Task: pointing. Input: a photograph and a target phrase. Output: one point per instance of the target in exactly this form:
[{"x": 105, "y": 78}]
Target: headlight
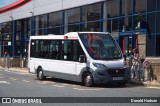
[{"x": 98, "y": 65}]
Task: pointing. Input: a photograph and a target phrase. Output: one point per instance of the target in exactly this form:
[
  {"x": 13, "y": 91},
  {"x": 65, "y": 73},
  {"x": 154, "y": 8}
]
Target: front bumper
[{"x": 111, "y": 75}]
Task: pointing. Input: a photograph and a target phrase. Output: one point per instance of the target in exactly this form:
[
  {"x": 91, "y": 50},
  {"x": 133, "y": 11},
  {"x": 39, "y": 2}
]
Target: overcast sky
[{"x": 6, "y": 2}]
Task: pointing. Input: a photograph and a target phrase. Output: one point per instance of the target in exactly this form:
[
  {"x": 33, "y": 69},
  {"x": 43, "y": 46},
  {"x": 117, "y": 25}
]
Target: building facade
[{"x": 134, "y": 23}]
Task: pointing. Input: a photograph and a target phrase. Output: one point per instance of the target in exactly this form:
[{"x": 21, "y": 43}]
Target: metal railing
[
  {"x": 9, "y": 62},
  {"x": 136, "y": 68},
  {"x": 142, "y": 70}
]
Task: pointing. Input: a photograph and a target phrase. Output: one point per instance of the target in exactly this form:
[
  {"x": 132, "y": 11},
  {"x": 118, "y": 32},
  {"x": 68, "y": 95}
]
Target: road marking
[
  {"x": 58, "y": 86},
  {"x": 88, "y": 89},
  {"x": 23, "y": 73},
  {"x": 13, "y": 71},
  {"x": 4, "y": 82},
  {"x": 45, "y": 82},
  {"x": 52, "y": 82},
  {"x": 13, "y": 79},
  {"x": 75, "y": 85},
  {"x": 26, "y": 81},
  {"x": 2, "y": 77},
  {"x": 65, "y": 84},
  {"x": 154, "y": 87},
  {"x": 7, "y": 70}
]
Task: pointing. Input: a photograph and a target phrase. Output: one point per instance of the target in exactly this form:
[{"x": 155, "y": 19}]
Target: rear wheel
[
  {"x": 40, "y": 74},
  {"x": 88, "y": 80}
]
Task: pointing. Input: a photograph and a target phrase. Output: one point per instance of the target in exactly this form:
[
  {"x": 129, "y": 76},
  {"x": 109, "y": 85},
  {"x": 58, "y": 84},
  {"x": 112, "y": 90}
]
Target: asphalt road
[{"x": 17, "y": 84}]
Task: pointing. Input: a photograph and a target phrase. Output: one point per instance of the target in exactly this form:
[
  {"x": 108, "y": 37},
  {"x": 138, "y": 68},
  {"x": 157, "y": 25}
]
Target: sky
[{"x": 6, "y": 2}]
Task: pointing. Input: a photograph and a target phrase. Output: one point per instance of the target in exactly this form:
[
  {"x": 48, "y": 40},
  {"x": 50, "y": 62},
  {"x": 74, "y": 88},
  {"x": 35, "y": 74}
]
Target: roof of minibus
[{"x": 72, "y": 35}]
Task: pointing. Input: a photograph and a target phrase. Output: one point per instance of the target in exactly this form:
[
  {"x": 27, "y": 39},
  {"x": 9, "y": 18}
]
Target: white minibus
[{"x": 87, "y": 57}]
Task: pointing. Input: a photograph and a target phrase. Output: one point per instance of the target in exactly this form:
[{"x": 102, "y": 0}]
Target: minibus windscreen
[{"x": 100, "y": 46}]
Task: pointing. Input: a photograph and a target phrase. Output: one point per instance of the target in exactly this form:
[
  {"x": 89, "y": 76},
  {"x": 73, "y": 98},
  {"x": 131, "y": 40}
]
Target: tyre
[
  {"x": 88, "y": 80},
  {"x": 40, "y": 74}
]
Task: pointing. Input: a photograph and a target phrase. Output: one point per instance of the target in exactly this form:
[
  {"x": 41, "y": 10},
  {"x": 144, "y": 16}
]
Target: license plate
[{"x": 117, "y": 78}]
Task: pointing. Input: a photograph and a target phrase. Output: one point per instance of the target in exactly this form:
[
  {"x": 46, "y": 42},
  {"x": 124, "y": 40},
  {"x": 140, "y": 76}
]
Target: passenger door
[
  {"x": 78, "y": 52},
  {"x": 67, "y": 56},
  {"x": 32, "y": 54}
]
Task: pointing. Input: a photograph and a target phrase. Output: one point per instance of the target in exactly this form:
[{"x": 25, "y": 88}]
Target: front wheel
[
  {"x": 40, "y": 74},
  {"x": 88, "y": 80}
]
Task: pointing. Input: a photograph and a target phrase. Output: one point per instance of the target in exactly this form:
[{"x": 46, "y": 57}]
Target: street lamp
[{"x": 32, "y": 13}]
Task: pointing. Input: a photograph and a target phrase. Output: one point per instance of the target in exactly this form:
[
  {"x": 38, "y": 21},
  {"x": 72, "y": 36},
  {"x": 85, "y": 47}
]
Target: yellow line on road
[
  {"x": 13, "y": 79},
  {"x": 58, "y": 86}
]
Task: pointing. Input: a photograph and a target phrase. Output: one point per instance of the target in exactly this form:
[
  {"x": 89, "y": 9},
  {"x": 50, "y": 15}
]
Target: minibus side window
[{"x": 72, "y": 50}]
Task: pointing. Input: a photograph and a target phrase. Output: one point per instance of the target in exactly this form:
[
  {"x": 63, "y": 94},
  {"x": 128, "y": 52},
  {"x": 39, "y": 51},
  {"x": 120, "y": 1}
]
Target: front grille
[{"x": 116, "y": 72}]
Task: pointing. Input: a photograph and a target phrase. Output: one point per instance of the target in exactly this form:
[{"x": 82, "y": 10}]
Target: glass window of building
[
  {"x": 158, "y": 4},
  {"x": 73, "y": 15},
  {"x": 127, "y": 6},
  {"x": 150, "y": 46},
  {"x": 18, "y": 25},
  {"x": 1, "y": 27},
  {"x": 151, "y": 5},
  {"x": 55, "y": 31},
  {"x": 158, "y": 21},
  {"x": 157, "y": 45},
  {"x": 18, "y": 49},
  {"x": 7, "y": 27},
  {"x": 55, "y": 19},
  {"x": 140, "y": 6},
  {"x": 41, "y": 21},
  {"x": 6, "y": 37},
  {"x": 73, "y": 28},
  {"x": 112, "y": 26},
  {"x": 125, "y": 22},
  {"x": 42, "y": 31},
  {"x": 18, "y": 30},
  {"x": 109, "y": 26},
  {"x": 27, "y": 28},
  {"x": 91, "y": 13},
  {"x": 112, "y": 8},
  {"x": 151, "y": 23},
  {"x": 137, "y": 19},
  {"x": 1, "y": 31}
]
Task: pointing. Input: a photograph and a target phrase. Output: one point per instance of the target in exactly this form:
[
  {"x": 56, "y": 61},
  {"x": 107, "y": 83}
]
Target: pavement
[{"x": 153, "y": 83}]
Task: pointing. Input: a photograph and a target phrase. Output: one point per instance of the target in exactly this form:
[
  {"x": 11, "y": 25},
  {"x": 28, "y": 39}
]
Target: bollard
[
  {"x": 5, "y": 61},
  {"x": 139, "y": 68},
  {"x": 22, "y": 63},
  {"x": 130, "y": 64},
  {"x": 8, "y": 62},
  {"x": 20, "y": 60},
  {"x": 146, "y": 67}
]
